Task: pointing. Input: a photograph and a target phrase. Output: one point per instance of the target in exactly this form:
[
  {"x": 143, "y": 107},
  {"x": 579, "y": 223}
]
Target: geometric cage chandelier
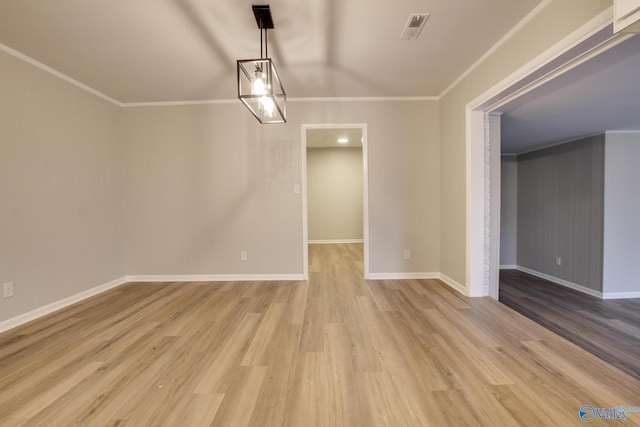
[{"x": 259, "y": 86}]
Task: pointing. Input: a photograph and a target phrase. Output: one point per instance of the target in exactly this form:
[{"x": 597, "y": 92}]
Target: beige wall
[
  {"x": 203, "y": 184},
  {"x": 60, "y": 189},
  {"x": 207, "y": 181},
  {"x": 334, "y": 194},
  {"x": 552, "y": 24}
]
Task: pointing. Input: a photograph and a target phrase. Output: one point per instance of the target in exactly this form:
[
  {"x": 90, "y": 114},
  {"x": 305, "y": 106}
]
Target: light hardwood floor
[{"x": 334, "y": 351}]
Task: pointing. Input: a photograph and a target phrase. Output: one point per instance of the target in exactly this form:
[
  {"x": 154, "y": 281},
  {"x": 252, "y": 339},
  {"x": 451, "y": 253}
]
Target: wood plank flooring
[
  {"x": 334, "y": 351},
  {"x": 609, "y": 329}
]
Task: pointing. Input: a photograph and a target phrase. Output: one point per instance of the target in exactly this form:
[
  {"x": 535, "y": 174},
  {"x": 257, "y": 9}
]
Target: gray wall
[
  {"x": 509, "y": 211},
  {"x": 560, "y": 211},
  {"x": 334, "y": 194},
  {"x": 622, "y": 213}
]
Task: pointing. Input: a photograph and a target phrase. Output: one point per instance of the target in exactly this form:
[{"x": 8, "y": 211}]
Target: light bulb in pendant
[
  {"x": 267, "y": 105},
  {"x": 258, "y": 83}
]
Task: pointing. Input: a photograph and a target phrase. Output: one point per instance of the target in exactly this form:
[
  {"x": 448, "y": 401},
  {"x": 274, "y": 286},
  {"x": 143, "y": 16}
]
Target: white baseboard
[
  {"x": 508, "y": 267},
  {"x": 55, "y": 306},
  {"x": 330, "y": 242},
  {"x": 453, "y": 284},
  {"x": 621, "y": 295},
  {"x": 401, "y": 276},
  {"x": 561, "y": 282},
  {"x": 216, "y": 278},
  {"x": 437, "y": 276},
  {"x": 434, "y": 276}
]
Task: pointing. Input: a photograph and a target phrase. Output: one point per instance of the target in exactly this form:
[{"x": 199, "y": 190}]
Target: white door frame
[
  {"x": 586, "y": 42},
  {"x": 493, "y": 200},
  {"x": 365, "y": 191}
]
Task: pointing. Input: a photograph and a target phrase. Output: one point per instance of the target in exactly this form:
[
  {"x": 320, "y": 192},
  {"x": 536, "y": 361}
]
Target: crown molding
[
  {"x": 513, "y": 31},
  {"x": 365, "y": 99},
  {"x": 46, "y": 68},
  {"x": 74, "y": 82},
  {"x": 179, "y": 103}
]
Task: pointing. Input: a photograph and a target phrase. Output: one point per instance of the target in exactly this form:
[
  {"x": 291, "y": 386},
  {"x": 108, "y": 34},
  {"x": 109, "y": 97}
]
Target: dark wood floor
[{"x": 608, "y": 329}]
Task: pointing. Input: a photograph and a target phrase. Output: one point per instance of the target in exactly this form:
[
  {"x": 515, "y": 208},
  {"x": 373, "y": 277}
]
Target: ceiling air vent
[{"x": 414, "y": 26}]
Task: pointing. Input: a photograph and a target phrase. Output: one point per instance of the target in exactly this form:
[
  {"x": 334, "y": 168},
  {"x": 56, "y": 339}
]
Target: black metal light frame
[{"x": 274, "y": 94}]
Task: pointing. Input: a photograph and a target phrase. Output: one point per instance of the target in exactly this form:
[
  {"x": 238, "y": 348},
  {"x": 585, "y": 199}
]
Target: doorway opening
[
  {"x": 335, "y": 190},
  {"x": 483, "y": 145}
]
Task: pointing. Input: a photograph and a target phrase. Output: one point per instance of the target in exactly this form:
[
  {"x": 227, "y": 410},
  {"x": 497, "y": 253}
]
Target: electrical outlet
[
  {"x": 7, "y": 290},
  {"x": 407, "y": 254},
  {"x": 243, "y": 255},
  {"x": 558, "y": 261}
]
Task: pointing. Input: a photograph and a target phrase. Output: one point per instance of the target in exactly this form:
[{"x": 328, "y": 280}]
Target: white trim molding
[
  {"x": 58, "y": 305},
  {"x": 402, "y": 276},
  {"x": 366, "y": 99},
  {"x": 621, "y": 295},
  {"x": 214, "y": 278},
  {"x": 561, "y": 282},
  {"x": 338, "y": 241},
  {"x": 551, "y": 63},
  {"x": 476, "y": 191},
  {"x": 62, "y": 76},
  {"x": 621, "y": 131},
  {"x": 179, "y": 103},
  {"x": 512, "y": 32},
  {"x": 453, "y": 284},
  {"x": 292, "y": 100},
  {"x": 420, "y": 276},
  {"x": 74, "y": 82}
]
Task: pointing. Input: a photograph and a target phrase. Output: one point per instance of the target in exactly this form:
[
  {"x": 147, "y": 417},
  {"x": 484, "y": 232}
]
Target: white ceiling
[
  {"x": 599, "y": 95},
  {"x": 185, "y": 50}
]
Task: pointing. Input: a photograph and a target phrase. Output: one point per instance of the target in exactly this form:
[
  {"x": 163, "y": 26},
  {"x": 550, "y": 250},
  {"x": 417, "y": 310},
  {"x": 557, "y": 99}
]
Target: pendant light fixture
[{"x": 259, "y": 86}]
